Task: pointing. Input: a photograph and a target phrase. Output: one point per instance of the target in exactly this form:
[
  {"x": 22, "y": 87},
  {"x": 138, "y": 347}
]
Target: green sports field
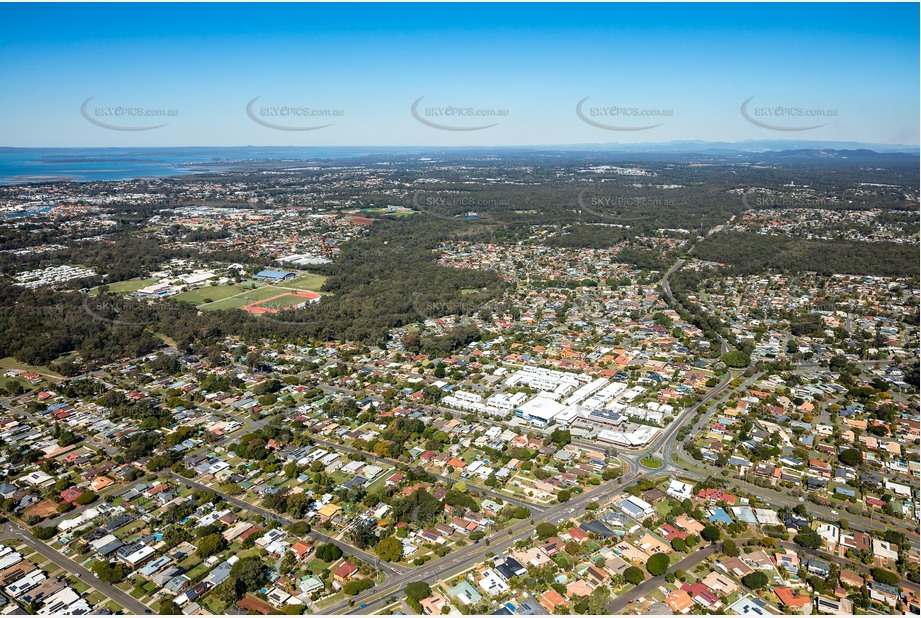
[
  {"x": 214, "y": 292},
  {"x": 244, "y": 298},
  {"x": 307, "y": 281},
  {"x": 131, "y": 285}
]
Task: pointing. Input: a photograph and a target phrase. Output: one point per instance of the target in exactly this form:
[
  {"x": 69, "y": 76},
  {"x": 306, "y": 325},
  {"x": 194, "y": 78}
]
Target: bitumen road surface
[
  {"x": 132, "y": 605},
  {"x": 650, "y": 585},
  {"x": 464, "y": 558},
  {"x": 243, "y": 504}
]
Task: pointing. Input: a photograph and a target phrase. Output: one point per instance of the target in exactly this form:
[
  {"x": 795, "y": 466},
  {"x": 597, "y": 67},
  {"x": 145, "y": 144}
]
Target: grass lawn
[
  {"x": 190, "y": 562},
  {"x": 11, "y": 363},
  {"x": 201, "y": 569},
  {"x": 246, "y": 553},
  {"x": 316, "y": 565},
  {"x": 214, "y": 604},
  {"x": 379, "y": 483},
  {"x": 307, "y": 281},
  {"x": 662, "y": 508},
  {"x": 284, "y": 302},
  {"x": 244, "y": 298},
  {"x": 95, "y": 598},
  {"x": 130, "y": 285},
  {"x": 214, "y": 292},
  {"x": 115, "y": 607},
  {"x": 657, "y": 595},
  {"x": 330, "y": 600},
  {"x": 651, "y": 462},
  {"x": 78, "y": 584},
  {"x": 132, "y": 528}
]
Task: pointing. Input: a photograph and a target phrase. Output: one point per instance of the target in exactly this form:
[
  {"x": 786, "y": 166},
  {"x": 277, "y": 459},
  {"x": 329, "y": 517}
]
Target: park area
[
  {"x": 270, "y": 298},
  {"x": 282, "y": 301}
]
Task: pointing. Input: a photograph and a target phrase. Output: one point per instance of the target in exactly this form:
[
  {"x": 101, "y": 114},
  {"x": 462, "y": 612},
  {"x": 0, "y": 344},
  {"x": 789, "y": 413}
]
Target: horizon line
[{"x": 470, "y": 147}]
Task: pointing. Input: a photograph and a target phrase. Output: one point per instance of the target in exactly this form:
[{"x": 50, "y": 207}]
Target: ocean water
[{"x": 29, "y": 165}]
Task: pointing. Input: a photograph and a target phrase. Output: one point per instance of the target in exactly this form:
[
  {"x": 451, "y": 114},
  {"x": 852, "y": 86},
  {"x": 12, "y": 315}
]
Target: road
[
  {"x": 466, "y": 557},
  {"x": 108, "y": 449},
  {"x": 616, "y": 606},
  {"x": 243, "y": 504},
  {"x": 116, "y": 491},
  {"x": 667, "y": 291},
  {"x": 13, "y": 531},
  {"x": 844, "y": 562},
  {"x": 394, "y": 463},
  {"x": 673, "y": 451}
]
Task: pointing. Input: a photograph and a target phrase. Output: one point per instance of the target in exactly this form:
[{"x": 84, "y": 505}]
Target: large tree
[
  {"x": 657, "y": 564},
  {"x": 389, "y": 549}
]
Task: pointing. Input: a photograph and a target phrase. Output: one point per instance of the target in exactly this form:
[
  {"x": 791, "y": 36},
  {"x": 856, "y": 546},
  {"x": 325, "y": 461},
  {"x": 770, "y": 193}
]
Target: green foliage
[
  {"x": 168, "y": 608},
  {"x": 328, "y": 552},
  {"x": 389, "y": 549},
  {"x": 809, "y": 539},
  {"x": 109, "y": 572},
  {"x": 634, "y": 575},
  {"x": 210, "y": 545},
  {"x": 419, "y": 507},
  {"x": 711, "y": 534},
  {"x": 750, "y": 253},
  {"x": 299, "y": 528},
  {"x": 250, "y": 572},
  {"x": 418, "y": 590},
  {"x": 357, "y": 586},
  {"x": 44, "y": 533},
  {"x": 736, "y": 359},
  {"x": 756, "y": 580},
  {"x": 561, "y": 437},
  {"x": 545, "y": 530},
  {"x": 885, "y": 577},
  {"x": 850, "y": 457},
  {"x": 657, "y": 564}
]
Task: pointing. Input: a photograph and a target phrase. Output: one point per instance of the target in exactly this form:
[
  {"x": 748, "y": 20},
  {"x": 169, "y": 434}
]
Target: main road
[
  {"x": 268, "y": 514},
  {"x": 11, "y": 530},
  {"x": 463, "y": 559},
  {"x": 394, "y": 463},
  {"x": 672, "y": 453},
  {"x": 466, "y": 557},
  {"x": 617, "y": 605}
]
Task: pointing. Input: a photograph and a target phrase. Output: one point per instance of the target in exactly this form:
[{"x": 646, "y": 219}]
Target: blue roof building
[{"x": 275, "y": 275}]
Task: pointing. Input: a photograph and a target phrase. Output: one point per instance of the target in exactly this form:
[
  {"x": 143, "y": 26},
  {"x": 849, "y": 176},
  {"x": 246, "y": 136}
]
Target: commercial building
[{"x": 274, "y": 276}]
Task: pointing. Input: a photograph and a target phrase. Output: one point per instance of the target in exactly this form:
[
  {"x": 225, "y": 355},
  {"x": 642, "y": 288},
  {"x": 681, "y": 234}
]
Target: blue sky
[{"x": 690, "y": 67}]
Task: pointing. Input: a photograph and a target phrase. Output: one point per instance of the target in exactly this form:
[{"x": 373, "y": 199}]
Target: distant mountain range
[
  {"x": 775, "y": 145},
  {"x": 684, "y": 147},
  {"x": 26, "y": 165}
]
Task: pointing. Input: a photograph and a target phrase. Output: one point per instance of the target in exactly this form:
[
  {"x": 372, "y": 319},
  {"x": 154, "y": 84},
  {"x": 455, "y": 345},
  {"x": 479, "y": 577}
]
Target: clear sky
[{"x": 690, "y": 66}]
